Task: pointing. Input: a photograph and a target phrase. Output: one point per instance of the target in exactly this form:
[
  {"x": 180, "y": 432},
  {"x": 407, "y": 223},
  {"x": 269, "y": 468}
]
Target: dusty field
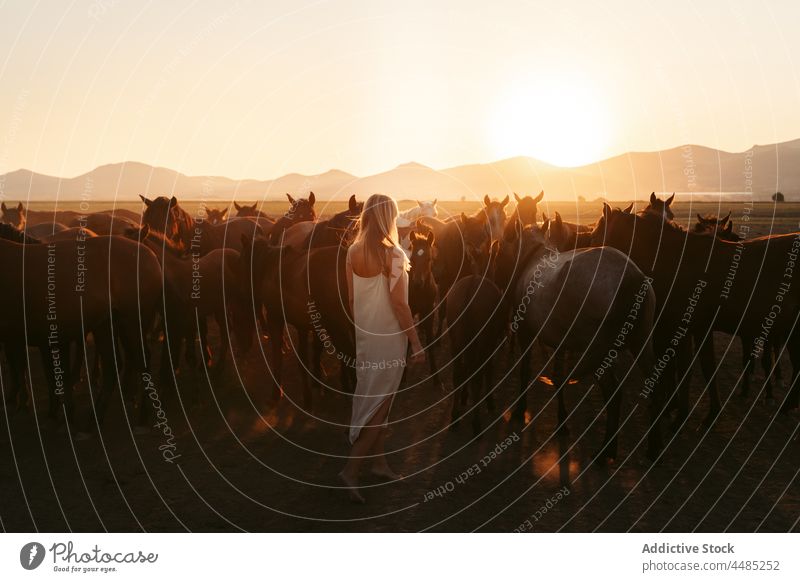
[{"x": 248, "y": 464}]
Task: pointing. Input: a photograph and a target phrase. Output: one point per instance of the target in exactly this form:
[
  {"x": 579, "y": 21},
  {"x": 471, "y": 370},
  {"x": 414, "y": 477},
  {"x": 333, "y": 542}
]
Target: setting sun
[{"x": 561, "y": 121}]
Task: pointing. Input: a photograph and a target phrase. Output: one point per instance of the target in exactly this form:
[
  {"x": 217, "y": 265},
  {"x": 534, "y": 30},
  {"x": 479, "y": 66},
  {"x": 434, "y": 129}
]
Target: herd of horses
[{"x": 634, "y": 282}]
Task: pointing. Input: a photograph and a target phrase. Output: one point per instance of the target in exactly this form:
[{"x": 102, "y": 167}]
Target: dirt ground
[{"x": 245, "y": 463}]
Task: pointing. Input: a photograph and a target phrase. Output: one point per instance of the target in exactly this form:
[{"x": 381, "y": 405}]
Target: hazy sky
[{"x": 262, "y": 88}]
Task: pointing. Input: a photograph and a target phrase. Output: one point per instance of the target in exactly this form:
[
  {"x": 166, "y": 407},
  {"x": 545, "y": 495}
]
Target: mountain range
[{"x": 762, "y": 170}]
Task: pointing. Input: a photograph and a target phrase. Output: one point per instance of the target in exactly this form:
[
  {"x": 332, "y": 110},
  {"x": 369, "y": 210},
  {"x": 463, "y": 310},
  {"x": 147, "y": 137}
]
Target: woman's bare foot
[
  {"x": 385, "y": 471},
  {"x": 352, "y": 488}
]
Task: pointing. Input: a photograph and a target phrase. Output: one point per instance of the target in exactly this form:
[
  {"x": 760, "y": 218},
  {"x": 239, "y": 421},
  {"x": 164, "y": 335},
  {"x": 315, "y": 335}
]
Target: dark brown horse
[
  {"x": 476, "y": 325},
  {"x": 165, "y": 215},
  {"x": 20, "y": 217},
  {"x": 566, "y": 236},
  {"x": 308, "y": 290},
  {"x": 770, "y": 353},
  {"x": 337, "y": 230},
  {"x": 72, "y": 288},
  {"x": 743, "y": 287},
  {"x": 525, "y": 212},
  {"x": 197, "y": 287},
  {"x": 422, "y": 292},
  {"x": 104, "y": 223},
  {"x": 301, "y": 210},
  {"x": 249, "y": 211},
  {"x": 215, "y": 215},
  {"x": 660, "y": 208}
]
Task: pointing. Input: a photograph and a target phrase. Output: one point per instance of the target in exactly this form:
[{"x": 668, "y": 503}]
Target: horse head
[
  {"x": 495, "y": 215},
  {"x": 214, "y": 215},
  {"x": 527, "y": 207},
  {"x": 658, "y": 207},
  {"x": 14, "y": 216}
]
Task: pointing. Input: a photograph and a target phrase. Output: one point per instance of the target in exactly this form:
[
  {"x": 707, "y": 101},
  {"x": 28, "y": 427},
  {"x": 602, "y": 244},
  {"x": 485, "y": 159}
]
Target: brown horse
[
  {"x": 449, "y": 263},
  {"x": 250, "y": 211},
  {"x": 476, "y": 326},
  {"x": 69, "y": 289},
  {"x": 566, "y": 236},
  {"x": 660, "y": 208},
  {"x": 165, "y": 215},
  {"x": 743, "y": 287},
  {"x": 215, "y": 215},
  {"x": 301, "y": 210},
  {"x": 104, "y": 223},
  {"x": 525, "y": 212},
  {"x": 337, "y": 230},
  {"x": 308, "y": 290},
  {"x": 20, "y": 217},
  {"x": 197, "y": 287},
  {"x": 45, "y": 229},
  {"x": 771, "y": 353},
  {"x": 422, "y": 292},
  {"x": 72, "y": 233}
]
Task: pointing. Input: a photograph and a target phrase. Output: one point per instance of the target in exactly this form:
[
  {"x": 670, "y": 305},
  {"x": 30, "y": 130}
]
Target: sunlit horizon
[{"x": 256, "y": 91}]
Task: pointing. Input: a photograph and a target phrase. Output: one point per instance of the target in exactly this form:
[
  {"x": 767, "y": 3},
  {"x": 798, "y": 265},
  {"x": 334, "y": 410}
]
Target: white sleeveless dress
[{"x": 381, "y": 344}]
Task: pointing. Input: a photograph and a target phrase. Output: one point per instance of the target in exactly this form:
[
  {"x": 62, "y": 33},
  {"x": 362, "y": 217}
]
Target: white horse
[
  {"x": 593, "y": 303},
  {"x": 407, "y": 218}
]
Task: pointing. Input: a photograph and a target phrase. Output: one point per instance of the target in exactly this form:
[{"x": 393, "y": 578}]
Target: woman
[{"x": 377, "y": 282}]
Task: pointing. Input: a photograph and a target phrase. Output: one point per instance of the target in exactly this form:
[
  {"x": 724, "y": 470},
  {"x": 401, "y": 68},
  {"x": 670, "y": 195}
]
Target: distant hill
[{"x": 691, "y": 168}]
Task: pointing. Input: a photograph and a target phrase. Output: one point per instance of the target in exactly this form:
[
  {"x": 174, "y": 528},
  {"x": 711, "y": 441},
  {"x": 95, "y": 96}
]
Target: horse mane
[
  {"x": 11, "y": 233},
  {"x": 176, "y": 248}
]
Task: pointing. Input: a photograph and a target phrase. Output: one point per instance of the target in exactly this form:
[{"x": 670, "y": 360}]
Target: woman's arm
[
  {"x": 349, "y": 275},
  {"x": 398, "y": 292}
]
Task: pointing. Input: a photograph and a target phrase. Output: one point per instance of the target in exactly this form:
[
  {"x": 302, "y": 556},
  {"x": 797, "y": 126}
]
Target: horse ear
[
  {"x": 726, "y": 219},
  {"x": 291, "y": 200},
  {"x": 145, "y": 200},
  {"x": 236, "y": 206},
  {"x": 628, "y": 208},
  {"x": 223, "y": 213},
  {"x": 559, "y": 221},
  {"x": 606, "y": 210},
  {"x": 431, "y": 237},
  {"x": 312, "y": 199},
  {"x": 670, "y": 199},
  {"x": 539, "y": 197},
  {"x": 463, "y": 218},
  {"x": 700, "y": 219},
  {"x": 544, "y": 217},
  {"x": 494, "y": 249},
  {"x": 3, "y": 207},
  {"x": 435, "y": 200},
  {"x": 504, "y": 202},
  {"x": 517, "y": 198},
  {"x": 729, "y": 227},
  {"x": 653, "y": 198},
  {"x": 173, "y": 202},
  {"x": 418, "y": 203},
  {"x": 352, "y": 205},
  {"x": 486, "y": 200}
]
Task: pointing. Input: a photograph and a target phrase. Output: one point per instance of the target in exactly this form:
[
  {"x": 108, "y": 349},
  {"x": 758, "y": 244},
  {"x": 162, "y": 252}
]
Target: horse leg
[
  {"x": 225, "y": 347},
  {"x": 561, "y": 380},
  {"x": 747, "y": 365},
  {"x": 276, "y": 349},
  {"x": 791, "y": 400},
  {"x": 431, "y": 349},
  {"x": 612, "y": 396},
  {"x": 458, "y": 380},
  {"x": 708, "y": 363},
  {"x": 521, "y": 407},
  {"x": 478, "y": 388},
  {"x": 302, "y": 340},
  {"x": 683, "y": 372},
  {"x": 773, "y": 375},
  {"x": 15, "y": 356},
  {"x": 201, "y": 332}
]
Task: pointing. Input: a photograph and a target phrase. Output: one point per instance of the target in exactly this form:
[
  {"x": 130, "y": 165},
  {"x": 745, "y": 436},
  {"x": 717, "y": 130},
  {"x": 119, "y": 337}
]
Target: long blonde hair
[{"x": 377, "y": 227}]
